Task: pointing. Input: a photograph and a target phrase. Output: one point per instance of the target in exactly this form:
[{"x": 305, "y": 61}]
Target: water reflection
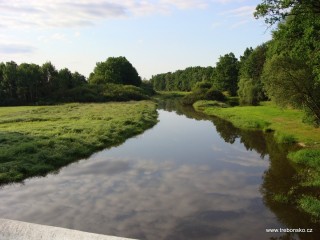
[{"x": 180, "y": 180}]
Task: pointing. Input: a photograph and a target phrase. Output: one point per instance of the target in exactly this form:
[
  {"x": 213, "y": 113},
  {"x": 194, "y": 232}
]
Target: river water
[{"x": 189, "y": 177}]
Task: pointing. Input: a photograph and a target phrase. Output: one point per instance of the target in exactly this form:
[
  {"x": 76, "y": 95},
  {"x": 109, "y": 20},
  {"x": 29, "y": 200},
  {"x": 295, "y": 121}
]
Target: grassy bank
[
  {"x": 288, "y": 128},
  {"x": 37, "y": 140},
  {"x": 287, "y": 123}
]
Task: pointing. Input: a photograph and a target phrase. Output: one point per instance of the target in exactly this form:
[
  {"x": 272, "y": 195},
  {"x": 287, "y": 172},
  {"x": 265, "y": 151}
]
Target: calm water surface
[{"x": 186, "y": 178}]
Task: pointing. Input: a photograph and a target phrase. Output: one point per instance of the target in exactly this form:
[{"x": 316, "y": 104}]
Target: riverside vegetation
[{"x": 35, "y": 140}]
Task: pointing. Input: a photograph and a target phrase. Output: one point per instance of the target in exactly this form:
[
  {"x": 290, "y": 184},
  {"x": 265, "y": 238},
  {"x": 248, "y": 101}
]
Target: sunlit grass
[
  {"x": 36, "y": 140},
  {"x": 287, "y": 123}
]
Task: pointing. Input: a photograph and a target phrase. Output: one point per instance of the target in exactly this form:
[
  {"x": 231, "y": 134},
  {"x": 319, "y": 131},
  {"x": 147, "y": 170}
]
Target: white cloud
[{"x": 67, "y": 13}]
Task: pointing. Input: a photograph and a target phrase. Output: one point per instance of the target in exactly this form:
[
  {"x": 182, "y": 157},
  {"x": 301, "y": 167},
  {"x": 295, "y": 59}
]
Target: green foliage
[
  {"x": 285, "y": 138},
  {"x": 30, "y": 83},
  {"x": 225, "y": 77},
  {"x": 310, "y": 205},
  {"x": 181, "y": 80},
  {"x": 291, "y": 73},
  {"x": 27, "y": 84},
  {"x": 203, "y": 91},
  {"x": 102, "y": 93},
  {"x": 37, "y": 140},
  {"x": 277, "y": 10},
  {"x": 307, "y": 157},
  {"x": 117, "y": 70},
  {"x": 202, "y": 104},
  {"x": 250, "y": 86},
  {"x": 280, "y": 197}
]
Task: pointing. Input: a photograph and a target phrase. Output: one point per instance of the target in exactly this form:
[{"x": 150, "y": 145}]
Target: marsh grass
[
  {"x": 37, "y": 140},
  {"x": 310, "y": 205}
]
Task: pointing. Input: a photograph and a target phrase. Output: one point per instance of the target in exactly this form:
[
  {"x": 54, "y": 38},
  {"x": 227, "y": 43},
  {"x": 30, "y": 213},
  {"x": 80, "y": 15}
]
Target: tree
[
  {"x": 78, "y": 79},
  {"x": 10, "y": 73},
  {"x": 250, "y": 86},
  {"x": 290, "y": 81},
  {"x": 226, "y": 74},
  {"x": 292, "y": 70},
  {"x": 115, "y": 70},
  {"x": 277, "y": 10},
  {"x": 49, "y": 78},
  {"x": 28, "y": 82}
]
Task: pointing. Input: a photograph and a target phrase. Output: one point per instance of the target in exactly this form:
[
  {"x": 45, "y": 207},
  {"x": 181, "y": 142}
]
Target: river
[{"x": 189, "y": 177}]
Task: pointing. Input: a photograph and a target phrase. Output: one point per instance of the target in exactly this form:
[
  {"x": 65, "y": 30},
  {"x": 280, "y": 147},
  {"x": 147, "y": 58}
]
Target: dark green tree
[
  {"x": 250, "y": 86},
  {"x": 292, "y": 70},
  {"x": 28, "y": 82},
  {"x": 10, "y": 74},
  {"x": 49, "y": 78},
  {"x": 116, "y": 70},
  {"x": 225, "y": 77}
]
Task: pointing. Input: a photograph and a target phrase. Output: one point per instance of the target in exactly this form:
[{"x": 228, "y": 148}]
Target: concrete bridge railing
[{"x": 16, "y": 230}]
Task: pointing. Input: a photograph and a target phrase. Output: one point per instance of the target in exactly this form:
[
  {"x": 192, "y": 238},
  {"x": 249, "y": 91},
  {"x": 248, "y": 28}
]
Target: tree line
[
  {"x": 285, "y": 69},
  {"x": 114, "y": 79}
]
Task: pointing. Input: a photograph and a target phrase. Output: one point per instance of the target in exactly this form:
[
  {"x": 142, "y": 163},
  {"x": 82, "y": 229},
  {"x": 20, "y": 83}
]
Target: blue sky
[{"x": 156, "y": 36}]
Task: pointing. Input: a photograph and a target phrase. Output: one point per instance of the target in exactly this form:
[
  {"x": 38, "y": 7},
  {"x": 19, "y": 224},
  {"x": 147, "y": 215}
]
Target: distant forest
[{"x": 113, "y": 80}]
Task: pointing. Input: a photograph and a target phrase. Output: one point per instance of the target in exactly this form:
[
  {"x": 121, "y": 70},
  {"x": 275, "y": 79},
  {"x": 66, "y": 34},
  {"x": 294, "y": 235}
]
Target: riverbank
[
  {"x": 288, "y": 128},
  {"x": 287, "y": 123},
  {"x": 37, "y": 140}
]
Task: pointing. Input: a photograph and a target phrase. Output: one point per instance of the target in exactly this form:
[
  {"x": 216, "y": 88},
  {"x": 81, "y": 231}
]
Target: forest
[{"x": 30, "y": 84}]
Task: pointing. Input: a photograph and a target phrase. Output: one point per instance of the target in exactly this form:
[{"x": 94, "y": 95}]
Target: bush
[
  {"x": 214, "y": 94},
  {"x": 202, "y": 92}
]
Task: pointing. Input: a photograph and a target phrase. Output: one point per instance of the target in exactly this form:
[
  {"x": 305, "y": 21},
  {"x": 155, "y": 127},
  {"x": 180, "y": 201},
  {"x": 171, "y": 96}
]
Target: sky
[{"x": 156, "y": 36}]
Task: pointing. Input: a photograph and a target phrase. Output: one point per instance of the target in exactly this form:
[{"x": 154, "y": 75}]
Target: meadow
[{"x": 36, "y": 140}]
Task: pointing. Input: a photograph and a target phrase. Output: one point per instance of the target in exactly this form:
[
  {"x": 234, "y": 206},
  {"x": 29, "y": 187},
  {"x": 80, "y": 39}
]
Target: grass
[
  {"x": 287, "y": 123},
  {"x": 307, "y": 157},
  {"x": 37, "y": 140},
  {"x": 310, "y": 205}
]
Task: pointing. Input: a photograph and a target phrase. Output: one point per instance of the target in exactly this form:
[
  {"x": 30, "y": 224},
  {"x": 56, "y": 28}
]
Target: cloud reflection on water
[{"x": 138, "y": 198}]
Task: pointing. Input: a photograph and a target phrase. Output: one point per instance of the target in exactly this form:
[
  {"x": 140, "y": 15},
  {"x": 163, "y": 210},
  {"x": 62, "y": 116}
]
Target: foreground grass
[
  {"x": 288, "y": 128},
  {"x": 37, "y": 140}
]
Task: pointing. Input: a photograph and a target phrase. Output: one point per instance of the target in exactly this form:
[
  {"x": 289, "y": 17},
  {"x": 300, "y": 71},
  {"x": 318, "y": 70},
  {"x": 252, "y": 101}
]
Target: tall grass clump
[
  {"x": 307, "y": 157},
  {"x": 310, "y": 205}
]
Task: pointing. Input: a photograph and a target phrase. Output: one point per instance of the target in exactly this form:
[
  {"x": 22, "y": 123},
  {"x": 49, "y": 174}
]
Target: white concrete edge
[{"x": 17, "y": 230}]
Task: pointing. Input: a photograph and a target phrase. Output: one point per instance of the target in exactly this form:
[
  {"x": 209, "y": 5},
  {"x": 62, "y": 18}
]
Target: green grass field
[{"x": 37, "y": 140}]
